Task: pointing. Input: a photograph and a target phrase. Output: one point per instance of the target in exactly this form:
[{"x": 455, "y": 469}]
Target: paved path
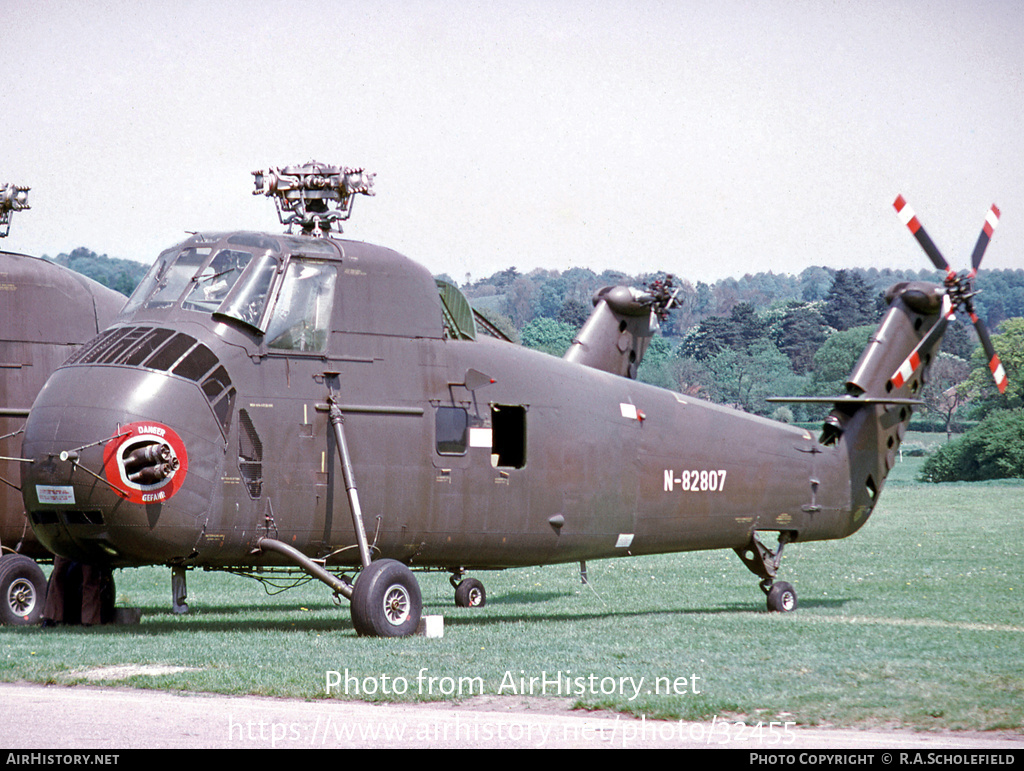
[{"x": 111, "y": 719}]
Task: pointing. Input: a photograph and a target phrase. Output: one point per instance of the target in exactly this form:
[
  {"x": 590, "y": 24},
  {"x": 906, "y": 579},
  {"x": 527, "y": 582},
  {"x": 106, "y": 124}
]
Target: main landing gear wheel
[
  {"x": 470, "y": 593},
  {"x": 22, "y": 590},
  {"x": 386, "y": 600},
  {"x": 781, "y": 597}
]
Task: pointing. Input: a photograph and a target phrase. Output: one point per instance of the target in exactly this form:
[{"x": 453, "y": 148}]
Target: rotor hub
[
  {"x": 315, "y": 196},
  {"x": 959, "y": 293},
  {"x": 12, "y": 198}
]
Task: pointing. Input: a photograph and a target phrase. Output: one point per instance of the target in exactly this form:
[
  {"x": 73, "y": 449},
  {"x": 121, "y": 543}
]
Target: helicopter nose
[{"x": 123, "y": 463}]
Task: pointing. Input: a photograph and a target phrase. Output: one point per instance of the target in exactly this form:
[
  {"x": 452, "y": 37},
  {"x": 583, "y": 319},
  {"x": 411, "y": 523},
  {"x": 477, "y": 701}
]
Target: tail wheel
[
  {"x": 470, "y": 594},
  {"x": 781, "y": 597},
  {"x": 386, "y": 600},
  {"x": 22, "y": 590}
]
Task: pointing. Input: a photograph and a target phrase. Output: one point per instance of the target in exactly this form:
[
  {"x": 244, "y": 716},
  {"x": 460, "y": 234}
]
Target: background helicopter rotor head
[{"x": 12, "y": 198}]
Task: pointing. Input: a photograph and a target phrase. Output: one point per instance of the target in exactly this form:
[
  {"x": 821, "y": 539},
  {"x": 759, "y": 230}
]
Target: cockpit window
[
  {"x": 247, "y": 278},
  {"x": 234, "y": 282},
  {"x": 212, "y": 284},
  {"x": 145, "y": 287},
  {"x": 173, "y": 280},
  {"x": 301, "y": 317},
  {"x": 247, "y": 302}
]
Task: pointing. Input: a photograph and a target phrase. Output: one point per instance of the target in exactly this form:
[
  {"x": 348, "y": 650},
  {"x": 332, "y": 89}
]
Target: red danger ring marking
[{"x": 138, "y": 435}]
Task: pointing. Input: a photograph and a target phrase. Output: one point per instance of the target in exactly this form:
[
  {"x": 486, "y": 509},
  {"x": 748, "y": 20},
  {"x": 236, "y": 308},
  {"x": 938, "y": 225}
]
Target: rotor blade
[
  {"x": 911, "y": 221},
  {"x": 995, "y": 366},
  {"x": 991, "y": 220},
  {"x": 913, "y": 361}
]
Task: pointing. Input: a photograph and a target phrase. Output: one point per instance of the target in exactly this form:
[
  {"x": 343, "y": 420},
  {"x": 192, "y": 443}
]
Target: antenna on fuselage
[
  {"x": 12, "y": 198},
  {"x": 314, "y": 195}
]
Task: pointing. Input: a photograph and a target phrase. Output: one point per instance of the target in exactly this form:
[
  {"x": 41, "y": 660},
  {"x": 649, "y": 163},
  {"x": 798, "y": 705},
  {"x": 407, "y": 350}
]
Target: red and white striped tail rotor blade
[
  {"x": 914, "y": 225},
  {"x": 998, "y": 373},
  {"x": 911, "y": 364},
  {"x": 991, "y": 220},
  {"x": 995, "y": 366}
]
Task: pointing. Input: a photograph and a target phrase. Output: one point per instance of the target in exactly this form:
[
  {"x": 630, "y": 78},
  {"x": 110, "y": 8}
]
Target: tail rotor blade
[
  {"x": 910, "y": 220},
  {"x": 991, "y": 220},
  {"x": 911, "y": 364},
  {"x": 995, "y": 366},
  {"x": 959, "y": 292}
]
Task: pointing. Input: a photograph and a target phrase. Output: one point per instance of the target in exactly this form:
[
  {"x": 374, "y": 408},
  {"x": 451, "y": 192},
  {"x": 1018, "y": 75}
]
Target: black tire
[
  {"x": 22, "y": 590},
  {"x": 470, "y": 594},
  {"x": 386, "y": 600},
  {"x": 781, "y": 598}
]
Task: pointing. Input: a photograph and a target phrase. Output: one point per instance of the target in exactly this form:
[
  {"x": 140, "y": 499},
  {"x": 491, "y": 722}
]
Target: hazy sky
[{"x": 708, "y": 138}]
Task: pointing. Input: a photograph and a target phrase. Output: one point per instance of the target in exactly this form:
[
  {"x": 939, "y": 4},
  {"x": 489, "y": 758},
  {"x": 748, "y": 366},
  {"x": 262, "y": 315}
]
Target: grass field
[{"x": 915, "y": 621}]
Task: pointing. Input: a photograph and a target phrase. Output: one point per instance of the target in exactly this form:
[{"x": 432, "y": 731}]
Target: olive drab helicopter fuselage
[
  {"x": 307, "y": 402},
  {"x": 46, "y": 313}
]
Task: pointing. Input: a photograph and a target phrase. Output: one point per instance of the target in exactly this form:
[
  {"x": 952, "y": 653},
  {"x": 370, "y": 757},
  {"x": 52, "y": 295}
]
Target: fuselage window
[
  {"x": 301, "y": 318},
  {"x": 508, "y": 437},
  {"x": 451, "y": 430}
]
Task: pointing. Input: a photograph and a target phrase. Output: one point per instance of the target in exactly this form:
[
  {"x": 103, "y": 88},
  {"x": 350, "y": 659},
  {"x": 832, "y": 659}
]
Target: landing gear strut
[
  {"x": 764, "y": 563},
  {"x": 179, "y": 590},
  {"x": 385, "y": 600}
]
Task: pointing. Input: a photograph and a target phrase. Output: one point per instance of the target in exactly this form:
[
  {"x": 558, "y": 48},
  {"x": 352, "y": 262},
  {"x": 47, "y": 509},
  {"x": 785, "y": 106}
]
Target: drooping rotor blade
[
  {"x": 991, "y": 220},
  {"x": 913, "y": 361},
  {"x": 910, "y": 220},
  {"x": 995, "y": 366}
]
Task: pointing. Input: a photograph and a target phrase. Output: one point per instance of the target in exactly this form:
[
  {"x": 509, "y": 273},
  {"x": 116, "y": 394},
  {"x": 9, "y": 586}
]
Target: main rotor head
[
  {"x": 663, "y": 292},
  {"x": 12, "y": 198},
  {"x": 314, "y": 195}
]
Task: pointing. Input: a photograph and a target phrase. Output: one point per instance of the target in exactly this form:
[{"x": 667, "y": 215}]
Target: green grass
[{"x": 915, "y": 621}]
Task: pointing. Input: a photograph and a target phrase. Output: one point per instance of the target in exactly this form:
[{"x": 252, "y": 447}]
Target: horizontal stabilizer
[{"x": 845, "y": 399}]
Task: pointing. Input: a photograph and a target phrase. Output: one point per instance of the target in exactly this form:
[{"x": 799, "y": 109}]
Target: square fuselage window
[{"x": 451, "y": 430}]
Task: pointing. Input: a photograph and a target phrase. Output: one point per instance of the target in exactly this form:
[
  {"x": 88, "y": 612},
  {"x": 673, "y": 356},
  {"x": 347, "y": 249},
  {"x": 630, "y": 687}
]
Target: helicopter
[
  {"x": 46, "y": 312},
  {"x": 310, "y": 405}
]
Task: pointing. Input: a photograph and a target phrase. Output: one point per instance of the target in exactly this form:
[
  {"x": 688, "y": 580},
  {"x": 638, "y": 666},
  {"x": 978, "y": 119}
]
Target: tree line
[{"x": 117, "y": 274}]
